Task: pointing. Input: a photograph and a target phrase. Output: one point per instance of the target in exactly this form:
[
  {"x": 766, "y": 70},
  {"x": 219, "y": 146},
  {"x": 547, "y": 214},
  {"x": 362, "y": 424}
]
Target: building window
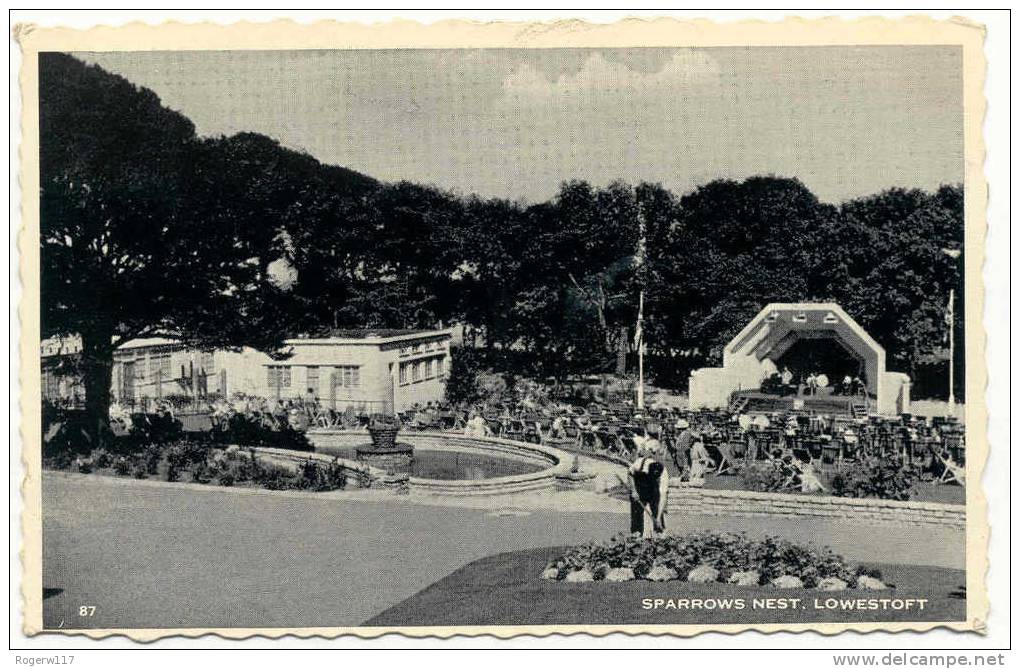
[
  {"x": 441, "y": 366},
  {"x": 159, "y": 366},
  {"x": 403, "y": 373},
  {"x": 430, "y": 369},
  {"x": 347, "y": 376},
  {"x": 278, "y": 376},
  {"x": 312, "y": 380},
  {"x": 51, "y": 386},
  {"x": 416, "y": 372}
]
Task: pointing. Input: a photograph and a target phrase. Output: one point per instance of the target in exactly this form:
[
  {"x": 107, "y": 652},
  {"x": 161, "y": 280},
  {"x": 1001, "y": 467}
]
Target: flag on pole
[
  {"x": 638, "y": 329},
  {"x": 950, "y": 317}
]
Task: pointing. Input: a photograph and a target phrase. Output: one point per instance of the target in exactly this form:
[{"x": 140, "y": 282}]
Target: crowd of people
[{"x": 656, "y": 443}]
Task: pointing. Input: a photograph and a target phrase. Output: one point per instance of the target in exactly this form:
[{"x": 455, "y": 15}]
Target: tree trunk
[{"x": 97, "y": 369}]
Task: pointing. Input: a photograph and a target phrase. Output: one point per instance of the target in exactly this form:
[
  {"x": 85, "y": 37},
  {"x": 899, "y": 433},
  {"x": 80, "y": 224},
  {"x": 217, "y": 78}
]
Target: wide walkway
[{"x": 149, "y": 554}]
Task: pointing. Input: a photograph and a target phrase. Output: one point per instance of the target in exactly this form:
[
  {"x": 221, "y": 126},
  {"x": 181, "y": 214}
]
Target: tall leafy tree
[
  {"x": 735, "y": 247},
  {"x": 893, "y": 273},
  {"x": 136, "y": 237}
]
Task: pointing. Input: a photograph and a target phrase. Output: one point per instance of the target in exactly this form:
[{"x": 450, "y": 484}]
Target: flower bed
[
  {"x": 201, "y": 463},
  {"x": 708, "y": 557}
]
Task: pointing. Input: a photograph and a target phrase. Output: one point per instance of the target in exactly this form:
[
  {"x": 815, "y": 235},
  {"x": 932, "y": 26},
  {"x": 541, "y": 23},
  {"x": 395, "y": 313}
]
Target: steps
[
  {"x": 738, "y": 403},
  {"x": 829, "y": 405}
]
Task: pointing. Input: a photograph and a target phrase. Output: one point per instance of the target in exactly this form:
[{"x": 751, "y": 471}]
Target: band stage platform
[{"x": 755, "y": 401}]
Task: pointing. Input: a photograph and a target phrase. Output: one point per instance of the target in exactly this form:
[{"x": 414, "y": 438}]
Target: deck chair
[
  {"x": 953, "y": 473},
  {"x": 720, "y": 462},
  {"x": 791, "y": 482},
  {"x": 609, "y": 442}
]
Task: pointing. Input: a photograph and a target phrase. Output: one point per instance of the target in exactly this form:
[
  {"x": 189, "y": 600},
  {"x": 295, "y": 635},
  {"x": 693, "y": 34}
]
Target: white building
[{"x": 369, "y": 370}]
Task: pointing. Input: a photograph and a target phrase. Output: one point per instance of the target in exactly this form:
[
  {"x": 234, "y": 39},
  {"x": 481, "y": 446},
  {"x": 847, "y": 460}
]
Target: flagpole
[
  {"x": 639, "y": 334},
  {"x": 951, "y": 323},
  {"x": 952, "y": 356},
  {"x": 641, "y": 352}
]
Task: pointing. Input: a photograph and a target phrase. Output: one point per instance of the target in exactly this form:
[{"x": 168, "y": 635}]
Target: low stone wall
[
  {"x": 352, "y": 467},
  {"x": 692, "y": 500},
  {"x": 556, "y": 462}
]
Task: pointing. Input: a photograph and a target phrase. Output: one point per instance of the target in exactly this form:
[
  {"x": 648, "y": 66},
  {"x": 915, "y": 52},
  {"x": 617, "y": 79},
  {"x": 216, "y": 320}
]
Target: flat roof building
[{"x": 367, "y": 370}]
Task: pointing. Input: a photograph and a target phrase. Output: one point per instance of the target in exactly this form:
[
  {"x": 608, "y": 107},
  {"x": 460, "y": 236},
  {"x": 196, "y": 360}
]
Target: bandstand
[{"x": 757, "y": 352}]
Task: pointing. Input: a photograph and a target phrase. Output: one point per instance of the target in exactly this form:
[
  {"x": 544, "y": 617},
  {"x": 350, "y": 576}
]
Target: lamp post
[{"x": 951, "y": 322}]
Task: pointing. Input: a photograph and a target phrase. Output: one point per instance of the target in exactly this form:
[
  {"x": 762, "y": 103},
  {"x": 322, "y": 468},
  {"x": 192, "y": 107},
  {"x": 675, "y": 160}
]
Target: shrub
[
  {"x": 140, "y": 472},
  {"x": 881, "y": 477},
  {"x": 59, "y": 460},
  {"x": 245, "y": 430},
  {"x": 122, "y": 466},
  {"x": 151, "y": 456},
  {"x": 200, "y": 473},
  {"x": 314, "y": 476},
  {"x": 183, "y": 454},
  {"x": 154, "y": 429},
  {"x": 225, "y": 479},
  {"x": 763, "y": 476},
  {"x": 274, "y": 477},
  {"x": 336, "y": 475},
  {"x": 248, "y": 467},
  {"x": 364, "y": 478},
  {"x": 84, "y": 465},
  {"x": 310, "y": 475},
  {"x": 101, "y": 458},
  {"x": 65, "y": 436}
]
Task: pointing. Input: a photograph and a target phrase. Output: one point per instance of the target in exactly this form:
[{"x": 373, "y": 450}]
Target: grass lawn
[{"x": 505, "y": 589}]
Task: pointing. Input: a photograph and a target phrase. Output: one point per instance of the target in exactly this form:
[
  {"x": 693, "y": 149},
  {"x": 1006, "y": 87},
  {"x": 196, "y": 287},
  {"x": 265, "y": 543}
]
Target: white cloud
[{"x": 600, "y": 78}]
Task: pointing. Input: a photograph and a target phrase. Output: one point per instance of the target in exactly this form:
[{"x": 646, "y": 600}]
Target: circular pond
[
  {"x": 451, "y": 463},
  {"x": 454, "y": 464}
]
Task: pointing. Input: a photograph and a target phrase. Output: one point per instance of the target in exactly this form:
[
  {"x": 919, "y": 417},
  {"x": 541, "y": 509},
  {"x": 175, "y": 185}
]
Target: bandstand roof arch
[{"x": 780, "y": 325}]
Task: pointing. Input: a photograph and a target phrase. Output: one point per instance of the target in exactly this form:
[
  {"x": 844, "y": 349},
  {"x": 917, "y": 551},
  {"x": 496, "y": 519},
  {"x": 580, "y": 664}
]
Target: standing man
[
  {"x": 682, "y": 446},
  {"x": 649, "y": 491}
]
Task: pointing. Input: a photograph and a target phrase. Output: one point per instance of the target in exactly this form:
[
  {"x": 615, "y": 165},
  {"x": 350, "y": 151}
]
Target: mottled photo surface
[{"x": 507, "y": 337}]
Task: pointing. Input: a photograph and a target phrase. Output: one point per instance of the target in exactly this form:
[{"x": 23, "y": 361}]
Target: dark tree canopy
[
  {"x": 231, "y": 241},
  {"x": 146, "y": 230}
]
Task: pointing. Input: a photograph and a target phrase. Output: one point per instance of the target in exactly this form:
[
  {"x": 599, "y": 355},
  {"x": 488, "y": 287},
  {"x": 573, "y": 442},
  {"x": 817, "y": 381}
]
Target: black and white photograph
[{"x": 497, "y": 338}]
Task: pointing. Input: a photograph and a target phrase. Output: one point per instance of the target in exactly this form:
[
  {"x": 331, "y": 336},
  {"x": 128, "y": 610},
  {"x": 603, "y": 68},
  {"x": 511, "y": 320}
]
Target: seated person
[
  {"x": 772, "y": 384},
  {"x": 857, "y": 385},
  {"x": 556, "y": 429},
  {"x": 809, "y": 479},
  {"x": 787, "y": 376},
  {"x": 700, "y": 462}
]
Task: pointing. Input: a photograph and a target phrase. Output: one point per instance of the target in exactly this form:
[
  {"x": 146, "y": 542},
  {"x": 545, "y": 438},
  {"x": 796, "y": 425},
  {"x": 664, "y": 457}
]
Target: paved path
[{"x": 148, "y": 554}]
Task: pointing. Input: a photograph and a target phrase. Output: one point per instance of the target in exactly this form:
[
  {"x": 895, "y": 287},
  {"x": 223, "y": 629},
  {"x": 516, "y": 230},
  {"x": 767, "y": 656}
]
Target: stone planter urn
[
  {"x": 384, "y": 451},
  {"x": 383, "y": 433}
]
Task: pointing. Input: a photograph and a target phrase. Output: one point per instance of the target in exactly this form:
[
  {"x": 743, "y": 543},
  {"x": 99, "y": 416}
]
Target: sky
[{"x": 515, "y": 123}]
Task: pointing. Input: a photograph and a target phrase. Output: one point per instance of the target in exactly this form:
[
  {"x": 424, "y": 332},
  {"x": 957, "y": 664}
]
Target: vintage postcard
[{"x": 503, "y": 328}]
